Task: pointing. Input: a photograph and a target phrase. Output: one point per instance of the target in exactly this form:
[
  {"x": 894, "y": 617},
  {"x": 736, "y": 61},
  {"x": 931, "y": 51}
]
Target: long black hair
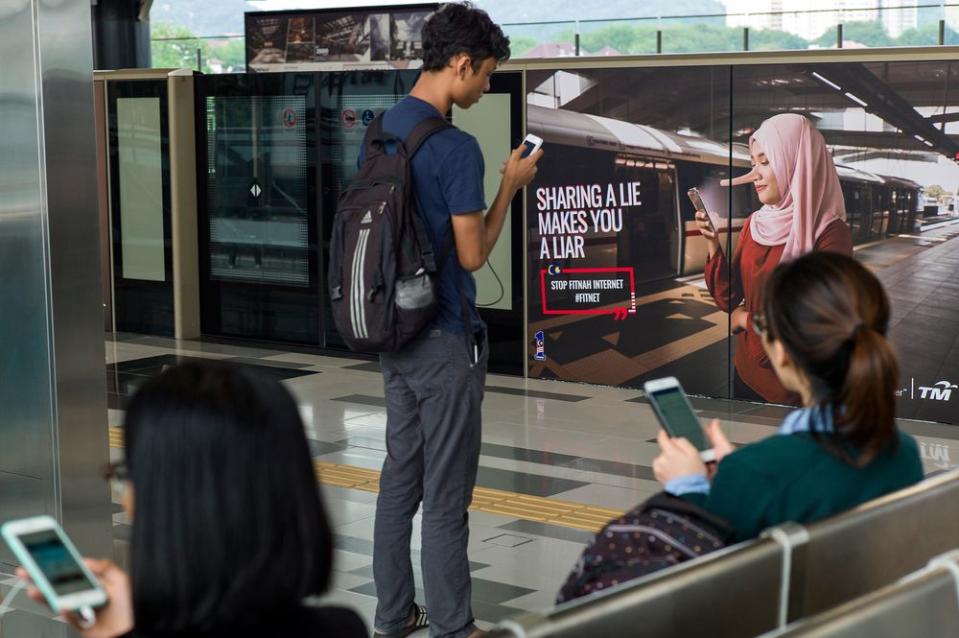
[
  {"x": 228, "y": 526},
  {"x": 831, "y": 315}
]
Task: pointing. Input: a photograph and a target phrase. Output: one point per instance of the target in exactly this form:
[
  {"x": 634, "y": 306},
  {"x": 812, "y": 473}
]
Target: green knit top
[{"x": 793, "y": 477}]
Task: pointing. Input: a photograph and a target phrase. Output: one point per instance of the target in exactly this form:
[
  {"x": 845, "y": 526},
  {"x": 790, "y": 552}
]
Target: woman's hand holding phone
[
  {"x": 677, "y": 457},
  {"x": 113, "y": 619},
  {"x": 708, "y": 232},
  {"x": 680, "y": 458}
]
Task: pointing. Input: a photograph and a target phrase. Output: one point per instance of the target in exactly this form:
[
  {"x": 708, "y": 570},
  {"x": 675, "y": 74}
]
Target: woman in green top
[{"x": 823, "y": 326}]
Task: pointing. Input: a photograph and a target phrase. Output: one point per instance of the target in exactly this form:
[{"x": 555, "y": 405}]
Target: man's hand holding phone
[{"x": 519, "y": 169}]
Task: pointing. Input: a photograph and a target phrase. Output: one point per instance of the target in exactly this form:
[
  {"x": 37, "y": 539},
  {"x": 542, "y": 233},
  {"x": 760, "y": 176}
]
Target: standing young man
[{"x": 434, "y": 386}]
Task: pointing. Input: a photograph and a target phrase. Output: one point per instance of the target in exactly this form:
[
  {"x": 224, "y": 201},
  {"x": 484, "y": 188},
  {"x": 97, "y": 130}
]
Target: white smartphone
[
  {"x": 54, "y": 564},
  {"x": 532, "y": 144},
  {"x": 676, "y": 414},
  {"x": 697, "y": 199}
]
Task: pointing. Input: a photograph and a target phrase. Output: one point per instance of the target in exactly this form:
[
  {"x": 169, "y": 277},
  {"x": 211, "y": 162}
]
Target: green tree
[
  {"x": 926, "y": 35},
  {"x": 521, "y": 44},
  {"x": 684, "y": 37},
  {"x": 625, "y": 38},
  {"x": 869, "y": 33},
  {"x": 231, "y": 54},
  {"x": 173, "y": 46},
  {"x": 691, "y": 38},
  {"x": 936, "y": 191},
  {"x": 773, "y": 40}
]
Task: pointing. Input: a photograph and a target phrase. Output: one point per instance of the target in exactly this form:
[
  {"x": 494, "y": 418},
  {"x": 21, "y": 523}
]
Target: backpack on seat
[
  {"x": 382, "y": 267},
  {"x": 661, "y": 532}
]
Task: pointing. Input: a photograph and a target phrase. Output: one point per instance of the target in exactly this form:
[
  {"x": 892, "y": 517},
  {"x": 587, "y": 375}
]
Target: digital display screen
[
  {"x": 678, "y": 417},
  {"x": 337, "y": 40},
  {"x": 56, "y": 563}
]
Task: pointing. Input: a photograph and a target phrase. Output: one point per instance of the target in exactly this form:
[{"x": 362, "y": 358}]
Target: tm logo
[
  {"x": 941, "y": 391},
  {"x": 937, "y": 453}
]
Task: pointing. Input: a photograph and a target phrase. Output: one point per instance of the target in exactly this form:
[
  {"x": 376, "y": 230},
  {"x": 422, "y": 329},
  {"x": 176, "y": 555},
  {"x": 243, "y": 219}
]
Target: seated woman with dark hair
[
  {"x": 229, "y": 533},
  {"x": 823, "y": 327}
]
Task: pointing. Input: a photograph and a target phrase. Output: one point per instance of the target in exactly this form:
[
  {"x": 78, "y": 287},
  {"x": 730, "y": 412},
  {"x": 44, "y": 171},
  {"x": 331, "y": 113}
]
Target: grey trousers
[{"x": 433, "y": 430}]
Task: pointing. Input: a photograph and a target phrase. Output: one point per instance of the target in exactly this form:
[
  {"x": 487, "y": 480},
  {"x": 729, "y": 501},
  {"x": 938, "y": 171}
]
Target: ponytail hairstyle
[{"x": 831, "y": 315}]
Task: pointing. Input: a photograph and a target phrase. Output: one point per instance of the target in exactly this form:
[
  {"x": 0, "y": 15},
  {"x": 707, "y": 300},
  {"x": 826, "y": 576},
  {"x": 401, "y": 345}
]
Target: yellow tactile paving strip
[{"x": 485, "y": 499}]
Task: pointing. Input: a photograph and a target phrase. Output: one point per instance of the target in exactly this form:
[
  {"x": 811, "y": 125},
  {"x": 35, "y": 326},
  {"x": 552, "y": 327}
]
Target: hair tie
[{"x": 859, "y": 327}]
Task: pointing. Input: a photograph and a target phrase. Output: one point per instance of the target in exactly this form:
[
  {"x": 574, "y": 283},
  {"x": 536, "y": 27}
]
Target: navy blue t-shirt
[{"x": 448, "y": 178}]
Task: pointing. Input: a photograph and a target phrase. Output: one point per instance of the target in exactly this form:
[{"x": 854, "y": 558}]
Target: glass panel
[
  {"x": 139, "y": 143},
  {"x": 175, "y": 47},
  {"x": 700, "y": 34},
  {"x": 485, "y": 121},
  {"x": 257, "y": 189},
  {"x": 951, "y": 16},
  {"x": 259, "y": 262},
  {"x": 774, "y": 31},
  {"x": 542, "y": 40},
  {"x": 618, "y": 37}
]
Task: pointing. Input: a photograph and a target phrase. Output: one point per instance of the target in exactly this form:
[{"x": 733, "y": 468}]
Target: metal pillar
[
  {"x": 121, "y": 30},
  {"x": 52, "y": 381}
]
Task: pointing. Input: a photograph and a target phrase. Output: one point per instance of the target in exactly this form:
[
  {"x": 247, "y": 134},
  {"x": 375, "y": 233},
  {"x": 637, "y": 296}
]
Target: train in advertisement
[{"x": 582, "y": 146}]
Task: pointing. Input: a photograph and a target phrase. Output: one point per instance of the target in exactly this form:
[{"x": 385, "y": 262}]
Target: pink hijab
[{"x": 807, "y": 179}]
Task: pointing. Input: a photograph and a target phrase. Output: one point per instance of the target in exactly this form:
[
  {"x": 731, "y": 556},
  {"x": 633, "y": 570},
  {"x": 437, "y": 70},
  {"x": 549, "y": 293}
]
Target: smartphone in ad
[
  {"x": 54, "y": 564},
  {"x": 676, "y": 414},
  {"x": 532, "y": 144},
  {"x": 697, "y": 199}
]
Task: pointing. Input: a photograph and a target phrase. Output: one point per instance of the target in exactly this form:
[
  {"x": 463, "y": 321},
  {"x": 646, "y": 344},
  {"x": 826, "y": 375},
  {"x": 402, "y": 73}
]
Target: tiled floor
[{"x": 580, "y": 443}]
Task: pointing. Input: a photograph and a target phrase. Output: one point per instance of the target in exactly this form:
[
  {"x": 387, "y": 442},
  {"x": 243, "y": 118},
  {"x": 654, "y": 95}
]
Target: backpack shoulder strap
[
  {"x": 376, "y": 137},
  {"x": 422, "y": 132}
]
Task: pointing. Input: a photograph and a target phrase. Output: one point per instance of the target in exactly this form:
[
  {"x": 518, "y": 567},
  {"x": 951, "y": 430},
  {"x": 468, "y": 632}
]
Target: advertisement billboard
[
  {"x": 373, "y": 38},
  {"x": 621, "y": 285}
]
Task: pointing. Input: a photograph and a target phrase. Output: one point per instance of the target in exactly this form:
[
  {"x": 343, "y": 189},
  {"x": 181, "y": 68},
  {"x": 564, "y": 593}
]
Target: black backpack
[
  {"x": 382, "y": 266},
  {"x": 661, "y": 532}
]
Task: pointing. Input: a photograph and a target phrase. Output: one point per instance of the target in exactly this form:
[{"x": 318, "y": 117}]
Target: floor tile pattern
[{"x": 557, "y": 460}]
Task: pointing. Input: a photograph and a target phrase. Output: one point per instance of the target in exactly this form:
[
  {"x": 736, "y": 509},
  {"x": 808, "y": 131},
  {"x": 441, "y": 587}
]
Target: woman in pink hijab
[{"x": 803, "y": 210}]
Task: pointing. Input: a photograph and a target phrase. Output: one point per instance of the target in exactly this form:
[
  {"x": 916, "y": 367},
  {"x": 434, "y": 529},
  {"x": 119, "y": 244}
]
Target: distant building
[
  {"x": 952, "y": 18},
  {"x": 606, "y": 51},
  {"x": 818, "y": 16},
  {"x": 551, "y": 50}
]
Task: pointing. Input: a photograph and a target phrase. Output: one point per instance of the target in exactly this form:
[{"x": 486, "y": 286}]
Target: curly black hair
[{"x": 461, "y": 28}]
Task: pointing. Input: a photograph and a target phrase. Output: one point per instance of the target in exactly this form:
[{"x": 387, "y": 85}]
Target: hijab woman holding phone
[{"x": 803, "y": 211}]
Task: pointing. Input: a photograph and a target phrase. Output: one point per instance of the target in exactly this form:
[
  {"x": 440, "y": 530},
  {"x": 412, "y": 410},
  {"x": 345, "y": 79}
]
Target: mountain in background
[
  {"x": 224, "y": 17},
  {"x": 202, "y": 17}
]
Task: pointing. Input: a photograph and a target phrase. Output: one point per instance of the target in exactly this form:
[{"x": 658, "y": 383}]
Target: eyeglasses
[
  {"x": 117, "y": 475},
  {"x": 759, "y": 324}
]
